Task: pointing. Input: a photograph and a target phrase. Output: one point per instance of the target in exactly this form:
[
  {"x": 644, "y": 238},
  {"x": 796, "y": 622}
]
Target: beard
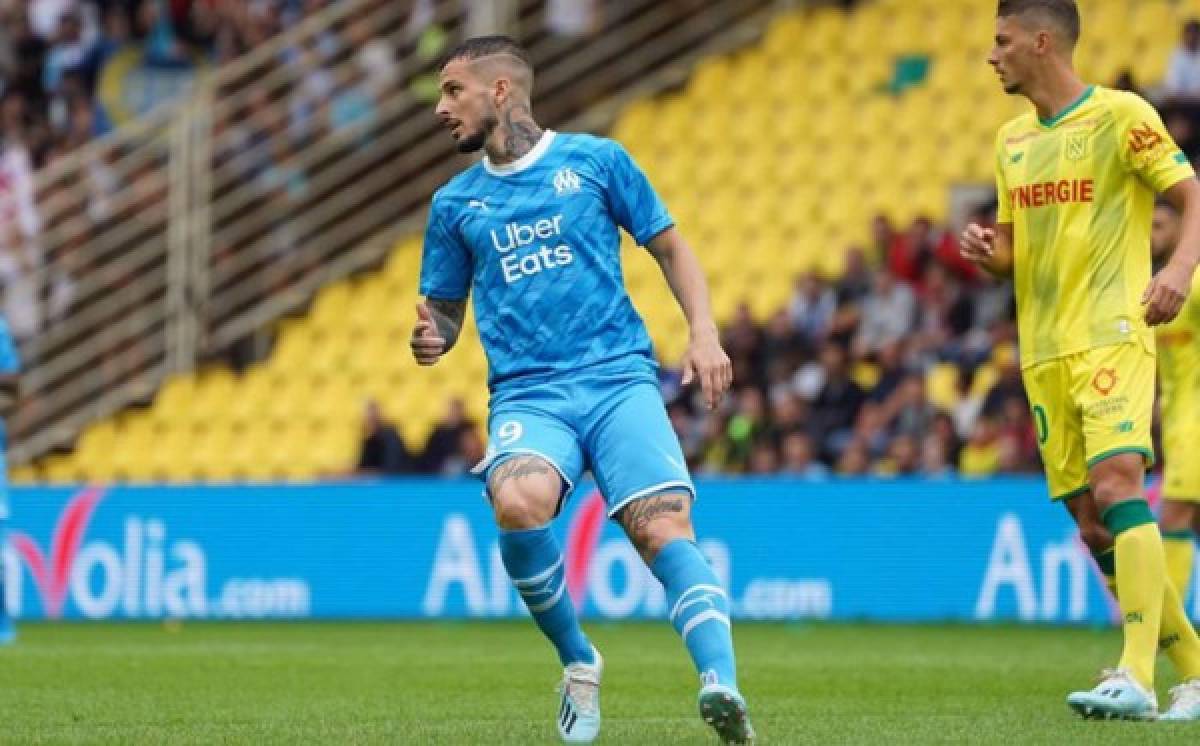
[{"x": 476, "y": 140}]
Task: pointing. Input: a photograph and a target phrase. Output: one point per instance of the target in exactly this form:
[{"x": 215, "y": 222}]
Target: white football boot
[
  {"x": 1118, "y": 696},
  {"x": 579, "y": 710},
  {"x": 1185, "y": 703}
]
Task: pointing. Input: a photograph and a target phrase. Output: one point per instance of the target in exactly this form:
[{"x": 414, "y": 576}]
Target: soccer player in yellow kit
[
  {"x": 1179, "y": 376},
  {"x": 1077, "y": 177}
]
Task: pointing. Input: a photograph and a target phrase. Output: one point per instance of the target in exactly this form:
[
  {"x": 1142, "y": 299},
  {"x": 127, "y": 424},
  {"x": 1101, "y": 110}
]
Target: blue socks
[
  {"x": 699, "y": 610},
  {"x": 535, "y": 564}
]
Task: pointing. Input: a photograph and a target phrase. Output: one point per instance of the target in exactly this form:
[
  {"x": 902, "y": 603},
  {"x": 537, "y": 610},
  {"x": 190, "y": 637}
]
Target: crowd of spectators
[
  {"x": 452, "y": 448},
  {"x": 842, "y": 380}
]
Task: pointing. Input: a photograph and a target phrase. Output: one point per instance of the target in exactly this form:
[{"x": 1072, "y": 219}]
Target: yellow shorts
[
  {"x": 1181, "y": 467},
  {"x": 1090, "y": 406}
]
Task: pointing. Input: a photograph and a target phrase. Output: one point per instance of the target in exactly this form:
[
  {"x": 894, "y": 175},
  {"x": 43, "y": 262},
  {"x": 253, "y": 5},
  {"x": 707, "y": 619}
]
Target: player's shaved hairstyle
[
  {"x": 1062, "y": 15},
  {"x": 503, "y": 50}
]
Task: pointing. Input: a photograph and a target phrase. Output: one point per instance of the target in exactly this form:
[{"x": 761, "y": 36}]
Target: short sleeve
[
  {"x": 445, "y": 261},
  {"x": 1147, "y": 148},
  {"x": 10, "y": 360},
  {"x": 1003, "y": 198},
  {"x": 635, "y": 205}
]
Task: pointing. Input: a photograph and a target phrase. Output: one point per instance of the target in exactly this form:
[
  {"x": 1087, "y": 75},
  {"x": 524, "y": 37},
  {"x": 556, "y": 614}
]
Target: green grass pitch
[{"x": 493, "y": 684}]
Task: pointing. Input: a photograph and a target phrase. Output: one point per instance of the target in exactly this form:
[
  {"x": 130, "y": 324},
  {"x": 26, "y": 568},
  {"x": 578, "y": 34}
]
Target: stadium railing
[{"x": 200, "y": 224}]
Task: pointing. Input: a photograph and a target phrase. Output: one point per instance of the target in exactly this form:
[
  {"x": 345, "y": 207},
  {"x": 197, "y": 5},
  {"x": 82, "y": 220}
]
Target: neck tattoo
[{"x": 521, "y": 133}]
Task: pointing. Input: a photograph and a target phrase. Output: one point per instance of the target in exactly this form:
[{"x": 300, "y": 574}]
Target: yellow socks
[
  {"x": 1141, "y": 584},
  {"x": 1181, "y": 550},
  {"x": 1177, "y": 637}
]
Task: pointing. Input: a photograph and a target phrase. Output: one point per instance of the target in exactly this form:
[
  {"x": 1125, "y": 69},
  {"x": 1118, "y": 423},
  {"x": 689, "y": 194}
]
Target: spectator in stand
[
  {"x": 935, "y": 458},
  {"x": 716, "y": 457},
  {"x": 888, "y": 314},
  {"x": 1182, "y": 83},
  {"x": 29, "y": 49},
  {"x": 689, "y": 430},
  {"x": 1017, "y": 437},
  {"x": 909, "y": 409},
  {"x": 70, "y": 52},
  {"x": 764, "y": 457},
  {"x": 903, "y": 458},
  {"x": 312, "y": 95},
  {"x": 467, "y": 456},
  {"x": 980, "y": 457},
  {"x": 943, "y": 429},
  {"x": 945, "y": 315},
  {"x": 383, "y": 451},
  {"x": 946, "y": 248},
  {"x": 782, "y": 345},
  {"x": 871, "y": 430},
  {"x": 352, "y": 110},
  {"x": 742, "y": 340},
  {"x": 572, "y": 17},
  {"x": 855, "y": 460},
  {"x": 19, "y": 264},
  {"x": 444, "y": 441},
  {"x": 1008, "y": 383},
  {"x": 891, "y": 371},
  {"x": 799, "y": 458},
  {"x": 857, "y": 279},
  {"x": 811, "y": 308},
  {"x": 835, "y": 410},
  {"x": 909, "y": 253},
  {"x": 746, "y": 426},
  {"x": 789, "y": 414},
  {"x": 883, "y": 233},
  {"x": 376, "y": 60}
]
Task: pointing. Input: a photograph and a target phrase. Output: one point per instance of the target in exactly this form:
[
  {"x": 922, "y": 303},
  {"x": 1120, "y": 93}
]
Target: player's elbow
[{"x": 1185, "y": 196}]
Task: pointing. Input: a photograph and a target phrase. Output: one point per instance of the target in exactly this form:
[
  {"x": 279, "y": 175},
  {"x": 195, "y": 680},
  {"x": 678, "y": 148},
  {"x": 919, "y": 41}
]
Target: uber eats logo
[{"x": 542, "y": 237}]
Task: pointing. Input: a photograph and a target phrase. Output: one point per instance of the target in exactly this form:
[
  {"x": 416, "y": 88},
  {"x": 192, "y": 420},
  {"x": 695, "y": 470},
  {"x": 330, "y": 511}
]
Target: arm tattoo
[
  {"x": 448, "y": 317},
  {"x": 639, "y": 513},
  {"x": 521, "y": 131},
  {"x": 517, "y": 468}
]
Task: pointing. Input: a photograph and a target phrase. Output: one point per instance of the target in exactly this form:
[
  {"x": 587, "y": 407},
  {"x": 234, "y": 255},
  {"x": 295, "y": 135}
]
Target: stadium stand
[{"x": 776, "y": 161}]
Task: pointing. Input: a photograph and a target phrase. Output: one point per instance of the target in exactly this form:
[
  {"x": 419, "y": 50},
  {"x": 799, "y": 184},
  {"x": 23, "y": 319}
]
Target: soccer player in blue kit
[{"x": 532, "y": 232}]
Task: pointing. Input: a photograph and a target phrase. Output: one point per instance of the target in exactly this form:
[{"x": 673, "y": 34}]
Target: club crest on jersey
[
  {"x": 1077, "y": 147},
  {"x": 566, "y": 182}
]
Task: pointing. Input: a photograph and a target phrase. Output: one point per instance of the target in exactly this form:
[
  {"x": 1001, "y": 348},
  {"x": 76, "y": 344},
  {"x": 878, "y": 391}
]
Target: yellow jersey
[
  {"x": 1179, "y": 364},
  {"x": 1079, "y": 191}
]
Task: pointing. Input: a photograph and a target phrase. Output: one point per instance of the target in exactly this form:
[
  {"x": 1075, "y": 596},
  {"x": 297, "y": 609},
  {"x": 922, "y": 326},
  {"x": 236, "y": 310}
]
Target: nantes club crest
[{"x": 1077, "y": 146}]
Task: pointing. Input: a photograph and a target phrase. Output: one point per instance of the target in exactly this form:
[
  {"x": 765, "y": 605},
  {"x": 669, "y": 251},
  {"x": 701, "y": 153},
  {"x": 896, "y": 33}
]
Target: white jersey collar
[{"x": 525, "y": 161}]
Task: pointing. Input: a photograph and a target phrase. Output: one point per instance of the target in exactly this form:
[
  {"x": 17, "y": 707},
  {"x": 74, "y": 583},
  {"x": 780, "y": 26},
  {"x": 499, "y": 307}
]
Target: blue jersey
[{"x": 537, "y": 244}]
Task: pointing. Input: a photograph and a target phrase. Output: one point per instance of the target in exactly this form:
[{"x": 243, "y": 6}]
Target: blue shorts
[{"x": 614, "y": 425}]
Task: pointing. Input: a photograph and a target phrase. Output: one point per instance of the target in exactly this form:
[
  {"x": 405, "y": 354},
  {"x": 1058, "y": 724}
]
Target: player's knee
[
  {"x": 524, "y": 493},
  {"x": 1114, "y": 488},
  {"x": 517, "y": 509},
  {"x": 1116, "y": 479},
  {"x": 653, "y": 522}
]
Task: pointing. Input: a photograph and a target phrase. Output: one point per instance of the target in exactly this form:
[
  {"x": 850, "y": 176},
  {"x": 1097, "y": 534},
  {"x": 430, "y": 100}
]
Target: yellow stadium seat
[{"x": 25, "y": 474}]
